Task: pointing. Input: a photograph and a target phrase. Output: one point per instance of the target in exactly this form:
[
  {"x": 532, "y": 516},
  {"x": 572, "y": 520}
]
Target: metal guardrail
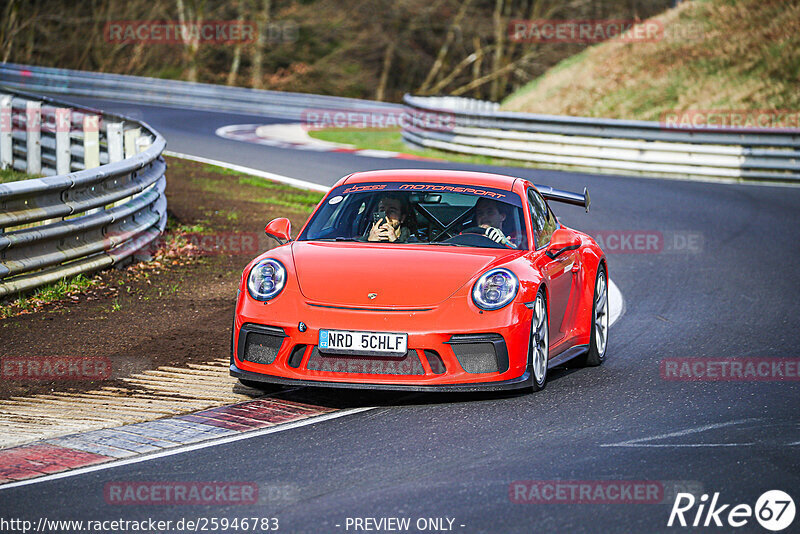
[
  {"x": 155, "y": 91},
  {"x": 605, "y": 145},
  {"x": 101, "y": 198}
]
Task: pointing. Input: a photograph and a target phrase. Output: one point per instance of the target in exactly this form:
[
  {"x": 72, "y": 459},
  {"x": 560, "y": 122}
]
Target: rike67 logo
[{"x": 774, "y": 510}]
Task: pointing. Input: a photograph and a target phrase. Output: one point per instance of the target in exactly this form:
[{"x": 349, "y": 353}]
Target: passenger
[{"x": 392, "y": 220}]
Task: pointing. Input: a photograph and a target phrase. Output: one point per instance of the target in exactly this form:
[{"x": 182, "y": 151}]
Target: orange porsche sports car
[{"x": 423, "y": 280}]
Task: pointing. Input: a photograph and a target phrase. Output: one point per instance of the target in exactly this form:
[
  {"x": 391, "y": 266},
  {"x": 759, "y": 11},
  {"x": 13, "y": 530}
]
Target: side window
[{"x": 544, "y": 223}]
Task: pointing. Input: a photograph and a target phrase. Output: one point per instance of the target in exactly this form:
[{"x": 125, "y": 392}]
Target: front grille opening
[
  {"x": 261, "y": 348},
  {"x": 409, "y": 364},
  {"x": 476, "y": 358},
  {"x": 296, "y": 357},
  {"x": 435, "y": 361}
]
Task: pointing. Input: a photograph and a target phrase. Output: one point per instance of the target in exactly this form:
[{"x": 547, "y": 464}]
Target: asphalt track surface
[{"x": 456, "y": 456}]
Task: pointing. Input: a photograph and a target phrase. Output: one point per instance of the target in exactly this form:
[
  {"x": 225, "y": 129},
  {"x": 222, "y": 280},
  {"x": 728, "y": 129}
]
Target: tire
[
  {"x": 598, "y": 343},
  {"x": 539, "y": 344}
]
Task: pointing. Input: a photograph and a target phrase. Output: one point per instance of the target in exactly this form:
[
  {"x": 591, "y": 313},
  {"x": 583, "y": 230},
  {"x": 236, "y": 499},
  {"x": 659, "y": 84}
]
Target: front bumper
[
  {"x": 294, "y": 359},
  {"x": 524, "y": 381}
]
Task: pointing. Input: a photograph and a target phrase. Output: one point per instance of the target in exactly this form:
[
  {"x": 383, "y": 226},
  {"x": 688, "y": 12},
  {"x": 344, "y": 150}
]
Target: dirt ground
[{"x": 173, "y": 311}]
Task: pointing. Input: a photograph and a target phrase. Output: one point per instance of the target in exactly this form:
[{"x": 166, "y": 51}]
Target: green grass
[
  {"x": 282, "y": 195},
  {"x": 48, "y": 294},
  {"x": 266, "y": 184},
  {"x": 11, "y": 175},
  {"x": 304, "y": 202},
  {"x": 391, "y": 140}
]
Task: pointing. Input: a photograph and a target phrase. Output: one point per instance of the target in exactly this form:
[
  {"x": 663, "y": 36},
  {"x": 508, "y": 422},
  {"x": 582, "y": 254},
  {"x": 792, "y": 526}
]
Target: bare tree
[
  {"x": 237, "y": 51},
  {"x": 189, "y": 15},
  {"x": 261, "y": 40},
  {"x": 499, "y": 34},
  {"x": 443, "y": 50}
]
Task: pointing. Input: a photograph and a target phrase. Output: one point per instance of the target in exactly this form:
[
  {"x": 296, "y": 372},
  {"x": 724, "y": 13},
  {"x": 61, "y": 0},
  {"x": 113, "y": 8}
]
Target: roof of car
[{"x": 497, "y": 181}]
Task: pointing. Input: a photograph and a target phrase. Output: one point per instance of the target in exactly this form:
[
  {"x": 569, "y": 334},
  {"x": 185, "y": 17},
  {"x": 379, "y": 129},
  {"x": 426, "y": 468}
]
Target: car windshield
[{"x": 420, "y": 213}]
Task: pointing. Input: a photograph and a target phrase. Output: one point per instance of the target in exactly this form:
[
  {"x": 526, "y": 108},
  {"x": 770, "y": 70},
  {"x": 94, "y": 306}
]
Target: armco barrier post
[
  {"x": 114, "y": 137},
  {"x": 63, "y": 143},
  {"x": 143, "y": 143},
  {"x": 33, "y": 133},
  {"x": 116, "y": 148},
  {"x": 6, "y": 127},
  {"x": 91, "y": 146},
  {"x": 91, "y": 141},
  {"x": 130, "y": 141}
]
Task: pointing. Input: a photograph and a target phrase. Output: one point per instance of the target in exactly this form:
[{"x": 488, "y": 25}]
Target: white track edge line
[
  {"x": 296, "y": 182},
  {"x": 186, "y": 448},
  {"x": 616, "y": 303}
]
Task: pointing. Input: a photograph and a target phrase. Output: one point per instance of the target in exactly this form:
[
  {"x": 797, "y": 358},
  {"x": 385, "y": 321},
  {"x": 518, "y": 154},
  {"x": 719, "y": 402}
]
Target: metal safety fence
[
  {"x": 175, "y": 93},
  {"x": 605, "y": 145},
  {"x": 99, "y": 197}
]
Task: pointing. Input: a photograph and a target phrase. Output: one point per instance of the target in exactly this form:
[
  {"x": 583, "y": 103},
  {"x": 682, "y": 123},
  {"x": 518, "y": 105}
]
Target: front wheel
[
  {"x": 539, "y": 349},
  {"x": 599, "y": 331}
]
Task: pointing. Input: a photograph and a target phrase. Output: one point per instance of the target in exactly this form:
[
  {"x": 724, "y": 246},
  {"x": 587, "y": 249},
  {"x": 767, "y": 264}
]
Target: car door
[{"x": 557, "y": 272}]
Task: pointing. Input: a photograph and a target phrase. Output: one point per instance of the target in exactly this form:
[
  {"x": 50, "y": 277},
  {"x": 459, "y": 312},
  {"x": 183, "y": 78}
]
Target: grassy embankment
[{"x": 714, "y": 55}]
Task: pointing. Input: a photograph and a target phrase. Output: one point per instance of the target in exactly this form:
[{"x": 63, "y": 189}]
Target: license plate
[{"x": 362, "y": 343}]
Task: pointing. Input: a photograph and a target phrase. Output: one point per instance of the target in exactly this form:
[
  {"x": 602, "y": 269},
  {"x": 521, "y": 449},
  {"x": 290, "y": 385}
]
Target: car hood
[{"x": 345, "y": 274}]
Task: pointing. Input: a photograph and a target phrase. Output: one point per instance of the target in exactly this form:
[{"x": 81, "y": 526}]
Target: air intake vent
[
  {"x": 261, "y": 343},
  {"x": 297, "y": 356},
  {"x": 480, "y": 353},
  {"x": 435, "y": 361},
  {"x": 476, "y": 357}
]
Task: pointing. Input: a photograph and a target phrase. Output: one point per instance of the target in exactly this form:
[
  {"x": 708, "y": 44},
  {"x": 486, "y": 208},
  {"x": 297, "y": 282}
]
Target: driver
[
  {"x": 392, "y": 226},
  {"x": 490, "y": 215}
]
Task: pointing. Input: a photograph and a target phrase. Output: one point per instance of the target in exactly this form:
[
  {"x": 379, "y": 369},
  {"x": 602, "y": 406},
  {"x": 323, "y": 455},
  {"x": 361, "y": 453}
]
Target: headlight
[
  {"x": 266, "y": 279},
  {"x": 494, "y": 289}
]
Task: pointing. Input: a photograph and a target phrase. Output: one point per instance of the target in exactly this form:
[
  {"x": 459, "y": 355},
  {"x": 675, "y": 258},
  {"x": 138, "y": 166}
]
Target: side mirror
[
  {"x": 280, "y": 230},
  {"x": 562, "y": 241}
]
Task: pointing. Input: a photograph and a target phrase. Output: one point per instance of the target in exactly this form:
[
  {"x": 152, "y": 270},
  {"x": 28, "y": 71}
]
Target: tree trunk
[
  {"x": 476, "y": 67},
  {"x": 492, "y": 75},
  {"x": 257, "y": 81},
  {"x": 448, "y": 40},
  {"x": 237, "y": 51},
  {"x": 471, "y": 59},
  {"x": 191, "y": 41},
  {"x": 10, "y": 29},
  {"x": 499, "y": 34},
  {"x": 388, "y": 56}
]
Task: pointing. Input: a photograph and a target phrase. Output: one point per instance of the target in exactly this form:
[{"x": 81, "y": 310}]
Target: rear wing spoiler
[{"x": 576, "y": 199}]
